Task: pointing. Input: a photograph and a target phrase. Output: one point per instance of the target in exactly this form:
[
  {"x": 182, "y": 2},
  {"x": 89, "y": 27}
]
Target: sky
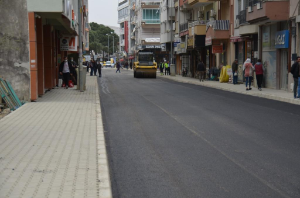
[{"x": 104, "y": 12}]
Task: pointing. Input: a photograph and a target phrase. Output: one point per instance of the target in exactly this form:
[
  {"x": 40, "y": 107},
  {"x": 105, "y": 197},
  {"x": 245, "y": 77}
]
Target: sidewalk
[
  {"x": 55, "y": 147},
  {"x": 273, "y": 94}
]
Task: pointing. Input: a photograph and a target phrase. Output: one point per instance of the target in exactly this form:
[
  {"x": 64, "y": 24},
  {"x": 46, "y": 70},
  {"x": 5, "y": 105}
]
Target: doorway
[{"x": 284, "y": 70}]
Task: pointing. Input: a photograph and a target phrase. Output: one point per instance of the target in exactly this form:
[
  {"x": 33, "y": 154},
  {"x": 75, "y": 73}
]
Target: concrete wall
[{"x": 14, "y": 46}]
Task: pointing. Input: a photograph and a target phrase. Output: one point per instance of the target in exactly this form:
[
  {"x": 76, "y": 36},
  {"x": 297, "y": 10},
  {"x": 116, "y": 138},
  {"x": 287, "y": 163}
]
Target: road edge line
[{"x": 104, "y": 183}]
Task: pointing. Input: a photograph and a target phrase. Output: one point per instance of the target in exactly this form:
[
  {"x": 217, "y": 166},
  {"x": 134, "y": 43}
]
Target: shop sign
[
  {"x": 69, "y": 43},
  {"x": 151, "y": 46},
  {"x": 217, "y": 49},
  {"x": 282, "y": 39},
  {"x": 208, "y": 41},
  {"x": 184, "y": 33},
  {"x": 191, "y": 42}
]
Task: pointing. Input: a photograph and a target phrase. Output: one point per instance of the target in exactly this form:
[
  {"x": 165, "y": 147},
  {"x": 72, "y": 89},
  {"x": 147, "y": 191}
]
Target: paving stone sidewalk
[
  {"x": 279, "y": 95},
  {"x": 49, "y": 149}
]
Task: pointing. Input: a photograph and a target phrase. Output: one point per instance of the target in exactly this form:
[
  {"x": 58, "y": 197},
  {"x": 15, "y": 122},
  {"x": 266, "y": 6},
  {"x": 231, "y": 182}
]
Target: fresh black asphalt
[{"x": 168, "y": 139}]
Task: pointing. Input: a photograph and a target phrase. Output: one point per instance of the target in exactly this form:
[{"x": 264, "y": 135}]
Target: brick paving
[{"x": 48, "y": 148}]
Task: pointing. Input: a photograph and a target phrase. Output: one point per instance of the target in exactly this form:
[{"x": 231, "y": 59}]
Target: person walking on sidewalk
[
  {"x": 296, "y": 74},
  {"x": 131, "y": 64},
  {"x": 248, "y": 68},
  {"x": 259, "y": 70},
  {"x": 201, "y": 70},
  {"x": 99, "y": 67},
  {"x": 235, "y": 71},
  {"x": 66, "y": 69},
  {"x": 118, "y": 67},
  {"x": 93, "y": 67}
]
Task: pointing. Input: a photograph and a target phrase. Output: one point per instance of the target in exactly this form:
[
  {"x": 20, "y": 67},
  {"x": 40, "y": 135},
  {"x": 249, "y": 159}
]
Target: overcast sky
[{"x": 104, "y": 12}]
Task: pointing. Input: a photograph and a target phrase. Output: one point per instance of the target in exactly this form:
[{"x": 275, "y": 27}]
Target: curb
[
  {"x": 103, "y": 168},
  {"x": 261, "y": 95}
]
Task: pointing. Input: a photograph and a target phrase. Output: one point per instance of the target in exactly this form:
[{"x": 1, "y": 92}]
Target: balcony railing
[
  {"x": 253, "y": 2},
  {"x": 218, "y": 25},
  {"x": 151, "y": 21},
  {"x": 195, "y": 23}
]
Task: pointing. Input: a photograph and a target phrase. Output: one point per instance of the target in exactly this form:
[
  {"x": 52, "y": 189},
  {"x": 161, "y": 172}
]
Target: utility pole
[
  {"x": 108, "y": 46},
  {"x": 113, "y": 42},
  {"x": 80, "y": 45}
]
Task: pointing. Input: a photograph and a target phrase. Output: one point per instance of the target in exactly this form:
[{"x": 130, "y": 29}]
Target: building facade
[
  {"x": 123, "y": 20},
  {"x": 53, "y": 34}
]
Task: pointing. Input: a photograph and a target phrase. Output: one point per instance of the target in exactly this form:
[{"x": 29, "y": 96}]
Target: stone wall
[{"x": 14, "y": 46}]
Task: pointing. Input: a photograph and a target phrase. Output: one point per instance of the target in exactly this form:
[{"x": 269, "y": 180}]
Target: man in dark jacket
[
  {"x": 235, "y": 71},
  {"x": 296, "y": 74},
  {"x": 93, "y": 67},
  {"x": 99, "y": 66},
  {"x": 201, "y": 70},
  {"x": 66, "y": 69}
]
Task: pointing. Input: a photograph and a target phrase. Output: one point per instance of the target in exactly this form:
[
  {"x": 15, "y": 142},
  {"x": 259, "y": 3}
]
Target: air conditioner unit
[
  {"x": 250, "y": 9},
  {"x": 212, "y": 13},
  {"x": 259, "y": 5}
]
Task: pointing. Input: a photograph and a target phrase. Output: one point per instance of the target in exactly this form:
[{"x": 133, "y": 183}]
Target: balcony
[
  {"x": 267, "y": 11},
  {"x": 150, "y": 4},
  {"x": 197, "y": 28},
  {"x": 151, "y": 23},
  {"x": 183, "y": 27},
  {"x": 218, "y": 29},
  {"x": 193, "y": 2}
]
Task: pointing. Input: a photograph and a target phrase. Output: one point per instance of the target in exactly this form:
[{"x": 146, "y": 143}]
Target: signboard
[
  {"x": 69, "y": 43},
  {"x": 151, "y": 46},
  {"x": 208, "y": 41},
  {"x": 217, "y": 49},
  {"x": 282, "y": 39},
  {"x": 163, "y": 47}
]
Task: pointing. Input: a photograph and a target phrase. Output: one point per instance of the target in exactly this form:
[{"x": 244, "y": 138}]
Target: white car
[{"x": 109, "y": 64}]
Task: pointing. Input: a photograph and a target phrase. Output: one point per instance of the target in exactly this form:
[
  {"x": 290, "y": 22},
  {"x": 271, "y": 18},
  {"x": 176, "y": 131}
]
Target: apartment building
[
  {"x": 123, "y": 20},
  {"x": 147, "y": 27},
  {"x": 53, "y": 34}
]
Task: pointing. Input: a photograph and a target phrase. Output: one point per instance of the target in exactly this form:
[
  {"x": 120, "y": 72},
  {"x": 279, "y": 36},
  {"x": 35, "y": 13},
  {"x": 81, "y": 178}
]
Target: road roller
[{"x": 145, "y": 67}]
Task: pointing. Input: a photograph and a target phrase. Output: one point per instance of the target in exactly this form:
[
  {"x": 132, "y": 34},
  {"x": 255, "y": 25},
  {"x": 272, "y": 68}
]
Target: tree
[{"x": 99, "y": 40}]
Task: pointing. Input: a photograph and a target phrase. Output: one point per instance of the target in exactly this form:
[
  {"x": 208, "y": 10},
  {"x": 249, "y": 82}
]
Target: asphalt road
[{"x": 168, "y": 139}]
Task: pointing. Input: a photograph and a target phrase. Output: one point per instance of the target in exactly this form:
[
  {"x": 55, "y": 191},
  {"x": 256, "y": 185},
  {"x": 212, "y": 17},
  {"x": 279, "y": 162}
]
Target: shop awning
[
  {"x": 121, "y": 60},
  {"x": 131, "y": 57},
  {"x": 236, "y": 39}
]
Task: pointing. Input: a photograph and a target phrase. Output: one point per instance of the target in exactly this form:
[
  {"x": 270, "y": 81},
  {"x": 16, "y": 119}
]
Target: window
[
  {"x": 151, "y": 16},
  {"x": 123, "y": 12}
]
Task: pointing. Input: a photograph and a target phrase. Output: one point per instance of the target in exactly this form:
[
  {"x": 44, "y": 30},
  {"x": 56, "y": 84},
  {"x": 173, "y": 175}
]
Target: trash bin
[{"x": 172, "y": 69}]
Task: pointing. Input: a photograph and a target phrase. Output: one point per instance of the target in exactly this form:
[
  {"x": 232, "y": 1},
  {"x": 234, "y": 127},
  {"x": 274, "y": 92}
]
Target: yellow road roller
[{"x": 145, "y": 67}]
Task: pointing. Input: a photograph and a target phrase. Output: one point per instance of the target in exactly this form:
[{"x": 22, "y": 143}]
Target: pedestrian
[
  {"x": 126, "y": 65},
  {"x": 74, "y": 65},
  {"x": 296, "y": 74},
  {"x": 248, "y": 68},
  {"x": 131, "y": 64},
  {"x": 118, "y": 67},
  {"x": 201, "y": 70},
  {"x": 259, "y": 71},
  {"x": 234, "y": 67},
  {"x": 161, "y": 67},
  {"x": 99, "y": 66},
  {"x": 66, "y": 69},
  {"x": 93, "y": 67},
  {"x": 167, "y": 68}
]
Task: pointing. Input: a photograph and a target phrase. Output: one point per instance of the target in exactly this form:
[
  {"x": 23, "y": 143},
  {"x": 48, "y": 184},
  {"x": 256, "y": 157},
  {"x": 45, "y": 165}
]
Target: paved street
[{"x": 169, "y": 139}]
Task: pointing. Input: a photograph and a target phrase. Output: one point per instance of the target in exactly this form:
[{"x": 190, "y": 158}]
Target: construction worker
[
  {"x": 167, "y": 68},
  {"x": 161, "y": 67}
]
